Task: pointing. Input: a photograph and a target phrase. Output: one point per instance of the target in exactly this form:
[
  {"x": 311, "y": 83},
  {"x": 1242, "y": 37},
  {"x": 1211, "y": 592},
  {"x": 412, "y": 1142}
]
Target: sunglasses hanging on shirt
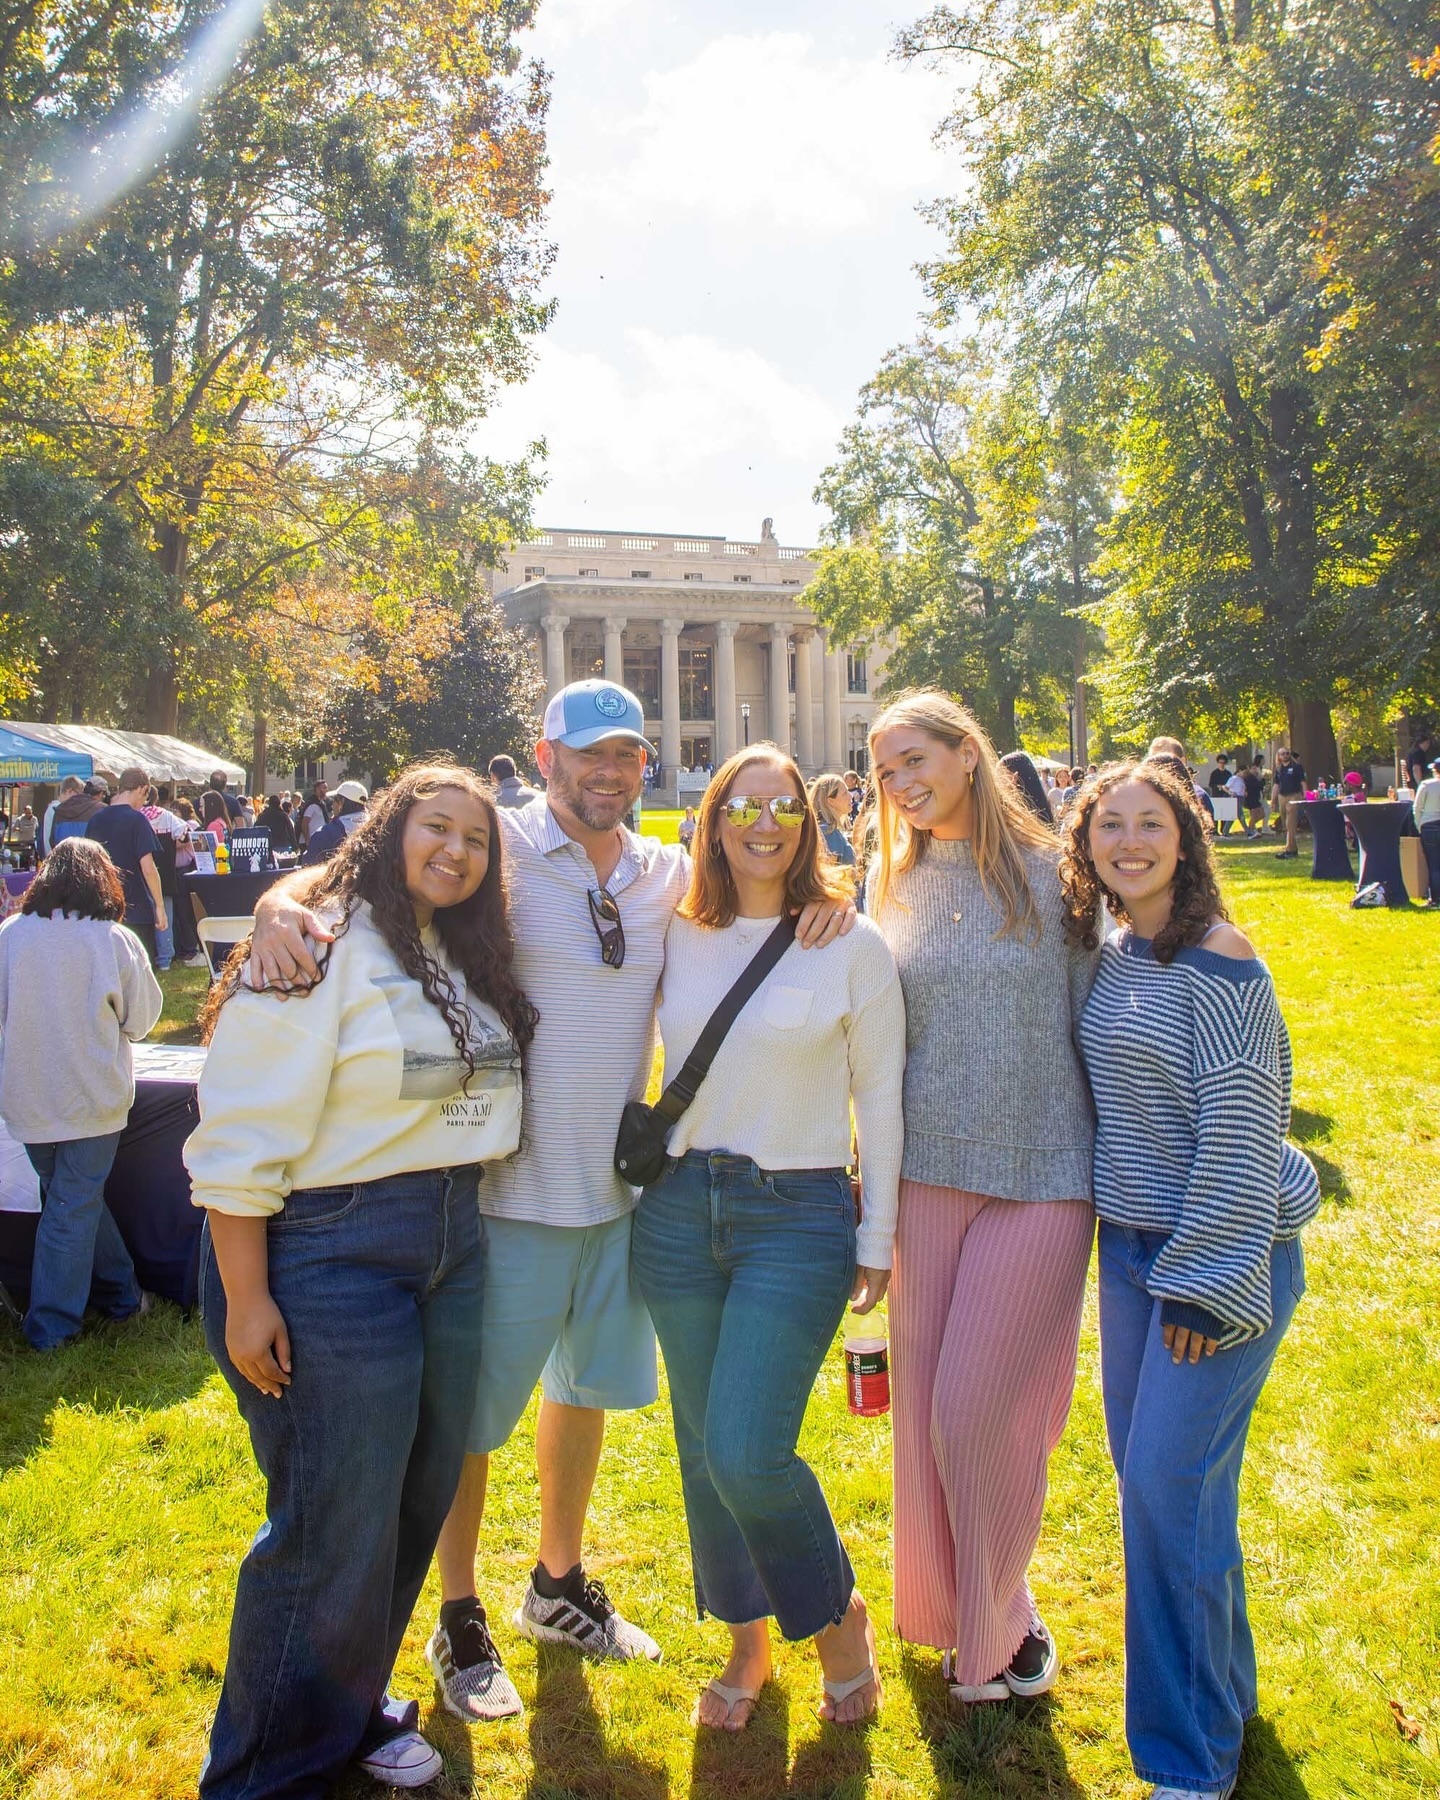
[{"x": 605, "y": 917}]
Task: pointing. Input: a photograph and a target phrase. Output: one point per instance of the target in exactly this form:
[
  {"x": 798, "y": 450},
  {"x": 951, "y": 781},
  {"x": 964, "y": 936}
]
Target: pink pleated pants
[{"x": 985, "y": 1325}]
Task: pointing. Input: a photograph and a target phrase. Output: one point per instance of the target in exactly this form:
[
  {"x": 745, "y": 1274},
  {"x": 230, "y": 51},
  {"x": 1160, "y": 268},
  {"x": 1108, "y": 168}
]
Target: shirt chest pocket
[{"x": 786, "y": 1008}]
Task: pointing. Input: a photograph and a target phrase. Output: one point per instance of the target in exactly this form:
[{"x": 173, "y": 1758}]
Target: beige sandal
[{"x": 732, "y": 1696}]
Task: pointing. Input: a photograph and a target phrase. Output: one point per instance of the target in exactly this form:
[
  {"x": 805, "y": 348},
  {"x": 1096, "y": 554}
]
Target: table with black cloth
[
  {"x": 147, "y": 1190},
  {"x": 1330, "y": 857},
  {"x": 225, "y": 896},
  {"x": 1378, "y": 826}
]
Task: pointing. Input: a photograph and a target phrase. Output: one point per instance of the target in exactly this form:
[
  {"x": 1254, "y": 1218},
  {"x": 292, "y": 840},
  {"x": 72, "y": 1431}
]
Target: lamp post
[
  {"x": 1070, "y": 709},
  {"x": 745, "y": 720}
]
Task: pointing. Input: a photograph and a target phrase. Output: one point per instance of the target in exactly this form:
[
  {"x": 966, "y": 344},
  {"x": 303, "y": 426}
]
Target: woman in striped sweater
[
  {"x": 1201, "y": 1201},
  {"x": 995, "y": 1221}
]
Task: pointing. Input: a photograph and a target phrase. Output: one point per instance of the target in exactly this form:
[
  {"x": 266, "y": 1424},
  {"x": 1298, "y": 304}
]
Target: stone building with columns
[{"x": 710, "y": 633}]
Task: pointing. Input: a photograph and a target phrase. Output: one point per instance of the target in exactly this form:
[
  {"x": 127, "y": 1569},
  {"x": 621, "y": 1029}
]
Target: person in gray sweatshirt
[{"x": 76, "y": 991}]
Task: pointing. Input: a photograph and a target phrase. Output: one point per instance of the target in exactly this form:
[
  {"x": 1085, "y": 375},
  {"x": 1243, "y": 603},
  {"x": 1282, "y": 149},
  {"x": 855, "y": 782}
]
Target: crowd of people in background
[{"x": 415, "y": 1211}]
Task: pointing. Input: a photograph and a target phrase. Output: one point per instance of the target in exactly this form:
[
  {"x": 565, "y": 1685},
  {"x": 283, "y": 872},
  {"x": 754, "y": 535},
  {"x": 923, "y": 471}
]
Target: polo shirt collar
[{"x": 548, "y": 835}]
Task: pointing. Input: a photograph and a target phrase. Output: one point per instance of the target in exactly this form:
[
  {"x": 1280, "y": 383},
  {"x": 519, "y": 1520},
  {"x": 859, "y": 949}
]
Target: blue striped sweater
[{"x": 1190, "y": 1068}]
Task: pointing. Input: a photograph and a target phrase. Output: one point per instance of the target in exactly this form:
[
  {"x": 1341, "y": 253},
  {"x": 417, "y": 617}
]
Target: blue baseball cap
[{"x": 588, "y": 711}]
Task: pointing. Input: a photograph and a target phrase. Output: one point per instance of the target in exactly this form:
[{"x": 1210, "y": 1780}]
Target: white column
[
  {"x": 834, "y": 747},
  {"x": 726, "y": 727},
  {"x": 555, "y": 675},
  {"x": 780, "y": 684},
  {"x": 804, "y": 706},
  {"x": 615, "y": 651},
  {"x": 670, "y": 630}
]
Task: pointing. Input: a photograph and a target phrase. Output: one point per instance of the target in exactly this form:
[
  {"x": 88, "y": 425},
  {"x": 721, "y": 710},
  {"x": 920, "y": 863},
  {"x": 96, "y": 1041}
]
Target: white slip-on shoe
[
  {"x": 972, "y": 1693},
  {"x": 1174, "y": 1793}
]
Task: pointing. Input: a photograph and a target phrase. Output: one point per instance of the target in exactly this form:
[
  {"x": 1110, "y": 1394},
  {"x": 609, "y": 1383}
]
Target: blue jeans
[
  {"x": 379, "y": 1285},
  {"x": 77, "y": 1243},
  {"x": 1430, "y": 843},
  {"x": 1177, "y": 1437},
  {"x": 746, "y": 1275},
  {"x": 165, "y": 944}
]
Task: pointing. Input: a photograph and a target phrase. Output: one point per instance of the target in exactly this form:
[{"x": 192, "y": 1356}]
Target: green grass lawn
[{"x": 127, "y": 1497}]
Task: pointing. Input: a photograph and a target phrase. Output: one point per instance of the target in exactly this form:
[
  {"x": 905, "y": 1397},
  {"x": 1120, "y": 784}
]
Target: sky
[{"x": 735, "y": 209}]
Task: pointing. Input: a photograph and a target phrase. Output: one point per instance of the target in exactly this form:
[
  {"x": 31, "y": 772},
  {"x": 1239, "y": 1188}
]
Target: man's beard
[{"x": 595, "y": 813}]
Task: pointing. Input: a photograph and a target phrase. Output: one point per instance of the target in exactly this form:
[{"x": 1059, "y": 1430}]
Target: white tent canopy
[{"x": 162, "y": 758}]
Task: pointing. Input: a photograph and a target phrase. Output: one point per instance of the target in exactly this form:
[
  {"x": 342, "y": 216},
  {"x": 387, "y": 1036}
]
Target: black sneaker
[
  {"x": 584, "y": 1617},
  {"x": 466, "y": 1665},
  {"x": 1035, "y": 1666}
]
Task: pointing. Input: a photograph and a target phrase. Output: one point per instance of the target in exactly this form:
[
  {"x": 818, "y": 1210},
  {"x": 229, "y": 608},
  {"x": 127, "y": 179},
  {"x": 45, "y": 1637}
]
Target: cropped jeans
[
  {"x": 746, "y": 1275},
  {"x": 1177, "y": 1436},
  {"x": 379, "y": 1285},
  {"x": 77, "y": 1242}
]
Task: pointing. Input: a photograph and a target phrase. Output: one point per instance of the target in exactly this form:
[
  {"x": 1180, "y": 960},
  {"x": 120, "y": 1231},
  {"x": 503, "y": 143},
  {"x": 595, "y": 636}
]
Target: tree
[
  {"x": 956, "y": 521},
  {"x": 334, "y": 244},
  {"x": 1147, "y": 183}
]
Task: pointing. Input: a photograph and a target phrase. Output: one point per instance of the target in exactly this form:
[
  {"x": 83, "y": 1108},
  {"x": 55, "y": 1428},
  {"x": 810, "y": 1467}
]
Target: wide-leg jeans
[
  {"x": 1177, "y": 1436},
  {"x": 77, "y": 1242},
  {"x": 380, "y": 1288},
  {"x": 746, "y": 1275}
]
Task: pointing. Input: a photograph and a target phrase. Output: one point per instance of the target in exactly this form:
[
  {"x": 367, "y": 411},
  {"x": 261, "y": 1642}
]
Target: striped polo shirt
[
  {"x": 596, "y": 1038},
  {"x": 1189, "y": 1063}
]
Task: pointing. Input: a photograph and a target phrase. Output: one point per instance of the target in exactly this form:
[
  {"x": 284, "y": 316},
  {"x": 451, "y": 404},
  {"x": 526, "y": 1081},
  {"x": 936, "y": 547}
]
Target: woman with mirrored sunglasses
[{"x": 747, "y": 1250}]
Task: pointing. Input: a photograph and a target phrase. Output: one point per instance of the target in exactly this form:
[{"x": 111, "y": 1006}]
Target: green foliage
[
  {"x": 1148, "y": 190},
  {"x": 962, "y": 523},
  {"x": 322, "y": 252}
]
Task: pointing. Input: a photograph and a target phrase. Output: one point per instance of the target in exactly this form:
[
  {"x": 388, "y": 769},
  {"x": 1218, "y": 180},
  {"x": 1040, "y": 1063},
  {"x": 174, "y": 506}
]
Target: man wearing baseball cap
[
  {"x": 354, "y": 798},
  {"x": 590, "y": 905}
]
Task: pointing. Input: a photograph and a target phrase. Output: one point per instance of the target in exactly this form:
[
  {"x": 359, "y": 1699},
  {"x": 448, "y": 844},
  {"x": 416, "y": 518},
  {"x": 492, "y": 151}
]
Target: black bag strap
[{"x": 683, "y": 1089}]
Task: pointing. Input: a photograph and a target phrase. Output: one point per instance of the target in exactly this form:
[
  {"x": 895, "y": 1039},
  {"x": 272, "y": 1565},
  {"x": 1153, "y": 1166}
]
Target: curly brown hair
[
  {"x": 476, "y": 933},
  {"x": 76, "y": 877},
  {"x": 1196, "y": 901}
]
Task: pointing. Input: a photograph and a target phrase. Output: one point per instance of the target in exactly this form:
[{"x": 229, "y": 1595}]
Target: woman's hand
[
  {"x": 869, "y": 1289},
  {"x": 1186, "y": 1345},
  {"x": 258, "y": 1344},
  {"x": 822, "y": 921}
]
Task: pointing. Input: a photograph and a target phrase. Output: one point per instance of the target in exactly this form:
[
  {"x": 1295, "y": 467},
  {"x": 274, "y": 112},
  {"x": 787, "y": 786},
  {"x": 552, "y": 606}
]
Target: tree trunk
[
  {"x": 1312, "y": 738},
  {"x": 1005, "y": 719},
  {"x": 258, "y": 751},
  {"x": 162, "y": 694}
]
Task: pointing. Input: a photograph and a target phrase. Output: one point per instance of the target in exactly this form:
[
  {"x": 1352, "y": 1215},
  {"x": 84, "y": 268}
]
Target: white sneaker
[
  {"x": 1174, "y": 1793},
  {"x": 588, "y": 1621},
  {"x": 1035, "y": 1667},
  {"x": 404, "y": 1761},
  {"x": 472, "y": 1679},
  {"x": 972, "y": 1693}
]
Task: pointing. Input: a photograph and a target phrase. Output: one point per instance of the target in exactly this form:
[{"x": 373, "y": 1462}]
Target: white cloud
[
  {"x": 759, "y": 132},
  {"x": 674, "y": 427},
  {"x": 560, "y": 22}
]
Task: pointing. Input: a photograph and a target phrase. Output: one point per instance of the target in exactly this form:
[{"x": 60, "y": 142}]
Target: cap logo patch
[{"x": 611, "y": 704}]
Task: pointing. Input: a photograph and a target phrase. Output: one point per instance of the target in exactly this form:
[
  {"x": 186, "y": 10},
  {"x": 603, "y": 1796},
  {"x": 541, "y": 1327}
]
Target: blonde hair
[
  {"x": 1004, "y": 827},
  {"x": 813, "y": 875},
  {"x": 823, "y": 790}
]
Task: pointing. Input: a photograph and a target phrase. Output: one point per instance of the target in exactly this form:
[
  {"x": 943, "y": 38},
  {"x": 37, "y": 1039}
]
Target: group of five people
[{"x": 406, "y": 1156}]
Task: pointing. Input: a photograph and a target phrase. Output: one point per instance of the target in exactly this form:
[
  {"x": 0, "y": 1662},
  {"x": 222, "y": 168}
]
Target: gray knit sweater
[{"x": 996, "y": 1100}]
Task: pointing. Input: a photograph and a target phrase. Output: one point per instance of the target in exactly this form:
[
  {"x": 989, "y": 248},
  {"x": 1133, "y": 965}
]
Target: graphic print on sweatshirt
[{"x": 431, "y": 1066}]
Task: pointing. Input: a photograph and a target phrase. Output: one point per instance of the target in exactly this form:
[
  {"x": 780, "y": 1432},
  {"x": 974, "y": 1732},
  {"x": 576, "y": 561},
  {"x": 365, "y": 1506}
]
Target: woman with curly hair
[
  {"x": 75, "y": 992},
  {"x": 995, "y": 1220},
  {"x": 338, "y": 1155},
  {"x": 1201, "y": 1202}
]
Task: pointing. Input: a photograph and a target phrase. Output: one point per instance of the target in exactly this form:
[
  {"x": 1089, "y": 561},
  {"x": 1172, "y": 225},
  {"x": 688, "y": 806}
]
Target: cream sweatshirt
[
  {"x": 74, "y": 995},
  {"x": 826, "y": 1027},
  {"x": 356, "y": 1080}
]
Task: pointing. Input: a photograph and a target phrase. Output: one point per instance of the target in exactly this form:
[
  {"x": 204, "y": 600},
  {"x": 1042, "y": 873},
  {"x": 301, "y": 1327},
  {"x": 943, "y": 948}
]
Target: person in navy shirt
[{"x": 129, "y": 838}]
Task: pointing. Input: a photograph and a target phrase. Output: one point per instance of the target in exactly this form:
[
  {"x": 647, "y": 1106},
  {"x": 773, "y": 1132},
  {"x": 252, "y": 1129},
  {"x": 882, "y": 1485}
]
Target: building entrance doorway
[{"x": 695, "y": 752}]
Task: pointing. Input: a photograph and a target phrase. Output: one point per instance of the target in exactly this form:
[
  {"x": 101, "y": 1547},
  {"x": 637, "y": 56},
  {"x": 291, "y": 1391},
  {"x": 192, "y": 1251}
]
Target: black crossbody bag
[{"x": 640, "y": 1144}]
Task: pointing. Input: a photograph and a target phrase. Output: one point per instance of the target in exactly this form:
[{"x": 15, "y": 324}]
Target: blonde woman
[
  {"x": 830, "y": 800},
  {"x": 996, "y": 1218}
]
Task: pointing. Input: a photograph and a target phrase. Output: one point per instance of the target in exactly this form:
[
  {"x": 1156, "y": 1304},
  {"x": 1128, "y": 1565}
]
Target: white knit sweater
[{"x": 827, "y": 1027}]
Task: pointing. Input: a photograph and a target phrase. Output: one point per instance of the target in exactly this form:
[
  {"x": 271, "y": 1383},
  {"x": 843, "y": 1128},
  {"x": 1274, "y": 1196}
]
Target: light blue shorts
[{"x": 560, "y": 1309}]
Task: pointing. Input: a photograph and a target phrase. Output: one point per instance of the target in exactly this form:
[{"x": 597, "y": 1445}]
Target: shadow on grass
[
  {"x": 996, "y": 1752},
  {"x": 142, "y": 1364},
  {"x": 1267, "y": 1770},
  {"x": 568, "y": 1746},
  {"x": 1309, "y": 1129}
]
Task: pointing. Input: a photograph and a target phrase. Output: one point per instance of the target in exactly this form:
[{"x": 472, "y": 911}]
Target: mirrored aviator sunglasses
[
  {"x": 743, "y": 809},
  {"x": 605, "y": 917}
]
